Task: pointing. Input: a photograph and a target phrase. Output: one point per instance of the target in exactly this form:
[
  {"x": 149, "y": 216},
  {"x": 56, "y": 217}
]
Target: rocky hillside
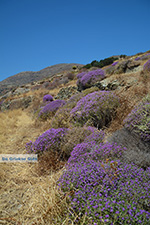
[
  {"x": 90, "y": 128},
  {"x": 30, "y": 76}
]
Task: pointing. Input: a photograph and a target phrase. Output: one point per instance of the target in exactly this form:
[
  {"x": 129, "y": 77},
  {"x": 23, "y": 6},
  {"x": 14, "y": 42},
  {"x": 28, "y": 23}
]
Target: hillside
[
  {"x": 30, "y": 76},
  {"x": 90, "y": 129}
]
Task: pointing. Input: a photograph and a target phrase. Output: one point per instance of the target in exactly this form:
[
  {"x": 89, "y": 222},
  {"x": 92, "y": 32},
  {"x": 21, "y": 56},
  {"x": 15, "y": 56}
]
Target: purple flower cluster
[
  {"x": 143, "y": 57},
  {"x": 87, "y": 151},
  {"x": 80, "y": 75},
  {"x": 98, "y": 107},
  {"x": 146, "y": 66},
  {"x": 47, "y": 98},
  {"x": 114, "y": 64},
  {"x": 48, "y": 141},
  {"x": 108, "y": 192},
  {"x": 51, "y": 108},
  {"x": 138, "y": 120},
  {"x": 86, "y": 80},
  {"x": 92, "y": 76},
  {"x": 96, "y": 136},
  {"x": 137, "y": 58}
]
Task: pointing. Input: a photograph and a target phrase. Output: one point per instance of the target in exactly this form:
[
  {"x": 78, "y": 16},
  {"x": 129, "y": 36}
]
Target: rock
[
  {"x": 8, "y": 94},
  {"x": 126, "y": 66},
  {"x": 137, "y": 152},
  {"x": 107, "y": 84},
  {"x": 21, "y": 90},
  {"x": 66, "y": 93},
  {"x": 17, "y": 103},
  {"x": 131, "y": 65}
]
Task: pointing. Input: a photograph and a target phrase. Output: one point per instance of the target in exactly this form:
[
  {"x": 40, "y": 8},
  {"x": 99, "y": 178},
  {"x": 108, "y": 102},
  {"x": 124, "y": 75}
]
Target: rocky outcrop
[
  {"x": 16, "y": 103},
  {"x": 126, "y": 66},
  {"x": 66, "y": 93},
  {"x": 138, "y": 151}
]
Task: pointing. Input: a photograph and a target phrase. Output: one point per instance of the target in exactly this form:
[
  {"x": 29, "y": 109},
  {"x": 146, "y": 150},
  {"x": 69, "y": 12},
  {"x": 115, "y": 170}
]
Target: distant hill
[{"x": 30, "y": 76}]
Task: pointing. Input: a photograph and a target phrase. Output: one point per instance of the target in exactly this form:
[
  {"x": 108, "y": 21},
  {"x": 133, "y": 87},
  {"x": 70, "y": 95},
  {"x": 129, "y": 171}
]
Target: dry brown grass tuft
[{"x": 27, "y": 198}]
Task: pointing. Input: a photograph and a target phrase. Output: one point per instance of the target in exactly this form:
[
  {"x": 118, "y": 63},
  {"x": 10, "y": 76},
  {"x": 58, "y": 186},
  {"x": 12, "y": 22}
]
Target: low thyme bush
[
  {"x": 138, "y": 121},
  {"x": 86, "y": 80},
  {"x": 95, "y": 109},
  {"x": 78, "y": 135},
  {"x": 50, "y": 109},
  {"x": 146, "y": 67},
  {"x": 105, "y": 191},
  {"x": 50, "y": 140},
  {"x": 47, "y": 98}
]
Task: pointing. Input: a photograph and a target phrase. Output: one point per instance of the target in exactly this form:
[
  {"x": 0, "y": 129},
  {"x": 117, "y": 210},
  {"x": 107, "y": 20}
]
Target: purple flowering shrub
[
  {"x": 92, "y": 150},
  {"x": 78, "y": 135},
  {"x": 114, "y": 64},
  {"x": 80, "y": 75},
  {"x": 50, "y": 109},
  {"x": 146, "y": 67},
  {"x": 50, "y": 140},
  {"x": 97, "y": 109},
  {"x": 47, "y": 98},
  {"x": 138, "y": 120},
  {"x": 105, "y": 191},
  {"x": 86, "y": 80},
  {"x": 143, "y": 57}
]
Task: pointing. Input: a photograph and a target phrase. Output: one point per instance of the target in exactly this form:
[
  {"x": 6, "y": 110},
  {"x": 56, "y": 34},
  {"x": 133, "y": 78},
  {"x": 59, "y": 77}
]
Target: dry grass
[
  {"x": 28, "y": 195},
  {"x": 27, "y": 198}
]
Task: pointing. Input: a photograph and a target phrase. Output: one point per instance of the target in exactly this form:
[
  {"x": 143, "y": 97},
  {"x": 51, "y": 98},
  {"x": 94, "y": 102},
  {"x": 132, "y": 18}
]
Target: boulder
[
  {"x": 126, "y": 66},
  {"x": 66, "y": 93},
  {"x": 138, "y": 151}
]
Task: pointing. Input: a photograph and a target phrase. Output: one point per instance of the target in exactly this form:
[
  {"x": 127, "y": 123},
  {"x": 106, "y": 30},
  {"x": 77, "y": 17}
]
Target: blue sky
[{"x": 35, "y": 34}]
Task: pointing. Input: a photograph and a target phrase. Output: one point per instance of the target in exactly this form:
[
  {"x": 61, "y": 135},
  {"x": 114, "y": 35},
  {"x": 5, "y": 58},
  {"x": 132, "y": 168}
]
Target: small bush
[
  {"x": 74, "y": 67},
  {"x": 114, "y": 64},
  {"x": 50, "y": 140},
  {"x": 88, "y": 79},
  {"x": 80, "y": 75},
  {"x": 47, "y": 98},
  {"x": 138, "y": 120},
  {"x": 95, "y": 109},
  {"x": 146, "y": 67},
  {"x": 50, "y": 109}
]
